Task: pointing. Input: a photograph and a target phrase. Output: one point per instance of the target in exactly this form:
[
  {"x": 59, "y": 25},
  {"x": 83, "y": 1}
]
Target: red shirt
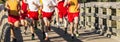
[
  {"x": 61, "y": 6},
  {"x": 24, "y": 6}
]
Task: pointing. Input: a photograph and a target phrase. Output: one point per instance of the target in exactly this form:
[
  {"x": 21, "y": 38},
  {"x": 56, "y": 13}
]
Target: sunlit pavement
[{"x": 57, "y": 35}]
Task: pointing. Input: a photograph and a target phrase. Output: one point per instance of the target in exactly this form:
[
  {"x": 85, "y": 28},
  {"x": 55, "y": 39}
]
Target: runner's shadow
[
  {"x": 40, "y": 36},
  {"x": 17, "y": 31},
  {"x": 2, "y": 18},
  {"x": 6, "y": 32},
  {"x": 18, "y": 35},
  {"x": 66, "y": 37}
]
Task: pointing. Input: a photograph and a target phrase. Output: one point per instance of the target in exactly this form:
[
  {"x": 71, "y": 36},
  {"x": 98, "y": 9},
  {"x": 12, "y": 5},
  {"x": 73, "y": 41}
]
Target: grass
[{"x": 1, "y": 2}]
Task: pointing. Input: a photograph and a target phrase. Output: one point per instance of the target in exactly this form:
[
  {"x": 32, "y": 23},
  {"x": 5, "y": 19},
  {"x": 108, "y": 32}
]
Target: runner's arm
[
  {"x": 6, "y": 5},
  {"x": 54, "y": 4},
  {"x": 18, "y": 7},
  {"x": 27, "y": 5},
  {"x": 56, "y": 12},
  {"x": 78, "y": 6},
  {"x": 21, "y": 7},
  {"x": 65, "y": 3},
  {"x": 37, "y": 4}
]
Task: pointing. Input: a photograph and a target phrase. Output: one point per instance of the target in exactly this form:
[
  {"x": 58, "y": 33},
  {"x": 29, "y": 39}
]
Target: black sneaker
[
  {"x": 36, "y": 29},
  {"x": 14, "y": 40},
  {"x": 72, "y": 37},
  {"x": 65, "y": 31},
  {"x": 49, "y": 29},
  {"x": 43, "y": 35},
  {"x": 33, "y": 37}
]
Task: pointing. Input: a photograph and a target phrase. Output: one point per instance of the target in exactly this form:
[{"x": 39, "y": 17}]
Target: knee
[
  {"x": 26, "y": 23},
  {"x": 76, "y": 20},
  {"x": 45, "y": 21},
  {"x": 22, "y": 22},
  {"x": 71, "y": 24},
  {"x": 48, "y": 24},
  {"x": 10, "y": 23},
  {"x": 61, "y": 20},
  {"x": 16, "y": 24}
]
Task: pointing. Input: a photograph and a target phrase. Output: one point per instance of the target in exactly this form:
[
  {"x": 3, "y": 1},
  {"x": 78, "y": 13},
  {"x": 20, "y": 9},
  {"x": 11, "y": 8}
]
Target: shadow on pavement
[
  {"x": 40, "y": 36},
  {"x": 91, "y": 36},
  {"x": 17, "y": 31},
  {"x": 18, "y": 35},
  {"x": 66, "y": 37},
  {"x": 6, "y": 32},
  {"x": 2, "y": 18}
]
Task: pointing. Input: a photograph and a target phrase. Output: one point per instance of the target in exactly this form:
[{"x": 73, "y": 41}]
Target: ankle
[{"x": 46, "y": 34}]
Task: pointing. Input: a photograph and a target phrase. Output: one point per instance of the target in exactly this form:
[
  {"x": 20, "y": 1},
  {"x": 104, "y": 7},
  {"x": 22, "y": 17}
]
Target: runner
[
  {"x": 13, "y": 16},
  {"x": 40, "y": 23},
  {"x": 73, "y": 13},
  {"x": 62, "y": 12},
  {"x": 47, "y": 12},
  {"x": 23, "y": 14},
  {"x": 33, "y": 6}
]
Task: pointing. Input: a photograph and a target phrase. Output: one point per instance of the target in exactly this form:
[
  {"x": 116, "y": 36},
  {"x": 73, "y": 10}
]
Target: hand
[
  {"x": 59, "y": 0},
  {"x": 36, "y": 5},
  {"x": 19, "y": 12},
  {"x": 22, "y": 11},
  {"x": 78, "y": 7},
  {"x": 8, "y": 8},
  {"x": 50, "y": 6},
  {"x": 64, "y": 5}
]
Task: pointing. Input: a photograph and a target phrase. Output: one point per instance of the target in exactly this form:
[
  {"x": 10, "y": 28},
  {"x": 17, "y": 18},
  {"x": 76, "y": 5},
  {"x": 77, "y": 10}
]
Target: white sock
[{"x": 46, "y": 34}]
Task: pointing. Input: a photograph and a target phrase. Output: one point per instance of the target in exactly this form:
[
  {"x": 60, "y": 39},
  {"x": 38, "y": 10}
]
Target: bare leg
[
  {"x": 32, "y": 30},
  {"x": 46, "y": 28},
  {"x": 71, "y": 29},
  {"x": 76, "y": 26},
  {"x": 65, "y": 25}
]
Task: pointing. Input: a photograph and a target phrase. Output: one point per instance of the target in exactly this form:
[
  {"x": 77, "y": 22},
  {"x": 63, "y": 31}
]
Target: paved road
[{"x": 57, "y": 35}]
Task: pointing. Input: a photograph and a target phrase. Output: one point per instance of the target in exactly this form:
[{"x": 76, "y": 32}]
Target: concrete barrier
[
  {"x": 1, "y": 7},
  {"x": 3, "y": 18},
  {"x": 104, "y": 14}
]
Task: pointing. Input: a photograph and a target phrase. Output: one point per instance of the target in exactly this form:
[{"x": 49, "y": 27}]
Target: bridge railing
[
  {"x": 104, "y": 17},
  {"x": 3, "y": 19}
]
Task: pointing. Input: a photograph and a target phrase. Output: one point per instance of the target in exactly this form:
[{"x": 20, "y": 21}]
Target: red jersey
[
  {"x": 24, "y": 6},
  {"x": 61, "y": 6}
]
